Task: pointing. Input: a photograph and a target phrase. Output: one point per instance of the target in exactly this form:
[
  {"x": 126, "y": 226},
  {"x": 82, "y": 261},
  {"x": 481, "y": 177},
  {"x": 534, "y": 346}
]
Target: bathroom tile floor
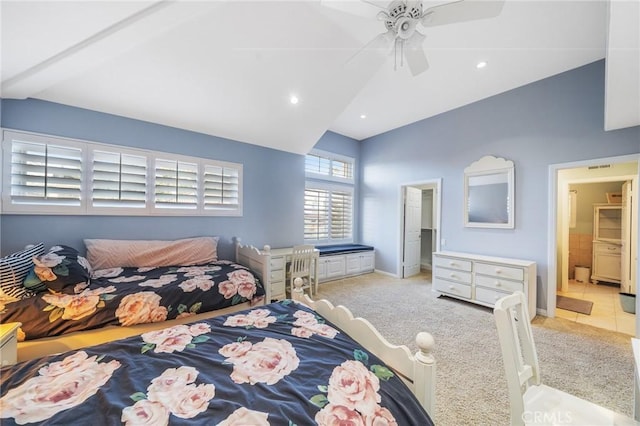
[{"x": 607, "y": 311}]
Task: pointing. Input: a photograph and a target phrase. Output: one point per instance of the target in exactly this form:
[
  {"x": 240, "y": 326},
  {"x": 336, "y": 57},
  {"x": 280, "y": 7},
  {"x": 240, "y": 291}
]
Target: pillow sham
[
  {"x": 103, "y": 254},
  {"x": 62, "y": 266},
  {"x": 13, "y": 270}
]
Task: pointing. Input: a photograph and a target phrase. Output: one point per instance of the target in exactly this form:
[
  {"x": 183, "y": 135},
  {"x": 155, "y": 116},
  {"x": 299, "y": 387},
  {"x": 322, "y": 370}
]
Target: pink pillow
[{"x": 103, "y": 254}]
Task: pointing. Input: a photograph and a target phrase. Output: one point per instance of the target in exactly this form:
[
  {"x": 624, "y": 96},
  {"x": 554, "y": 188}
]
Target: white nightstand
[{"x": 9, "y": 343}]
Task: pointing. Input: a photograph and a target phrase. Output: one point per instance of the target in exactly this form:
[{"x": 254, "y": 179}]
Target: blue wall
[
  {"x": 556, "y": 120},
  {"x": 273, "y": 182}
]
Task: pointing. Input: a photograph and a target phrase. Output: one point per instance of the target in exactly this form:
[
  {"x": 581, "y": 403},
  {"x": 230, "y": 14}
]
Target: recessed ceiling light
[
  {"x": 481, "y": 64},
  {"x": 293, "y": 99},
  {"x": 363, "y": 116}
]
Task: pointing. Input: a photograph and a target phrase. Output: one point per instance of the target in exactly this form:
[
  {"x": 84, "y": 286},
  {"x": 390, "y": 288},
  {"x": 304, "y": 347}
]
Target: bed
[
  {"x": 281, "y": 363},
  {"x": 118, "y": 302}
]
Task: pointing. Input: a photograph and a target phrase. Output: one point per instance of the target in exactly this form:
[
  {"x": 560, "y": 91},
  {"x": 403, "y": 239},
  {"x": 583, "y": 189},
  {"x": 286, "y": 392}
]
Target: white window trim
[{"x": 85, "y": 207}]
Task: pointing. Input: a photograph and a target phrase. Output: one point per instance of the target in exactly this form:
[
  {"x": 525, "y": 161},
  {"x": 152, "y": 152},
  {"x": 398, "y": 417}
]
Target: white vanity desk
[{"x": 271, "y": 266}]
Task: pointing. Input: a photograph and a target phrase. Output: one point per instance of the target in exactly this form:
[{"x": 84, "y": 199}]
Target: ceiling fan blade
[
  {"x": 461, "y": 11},
  {"x": 414, "y": 54},
  {"x": 374, "y": 53}
]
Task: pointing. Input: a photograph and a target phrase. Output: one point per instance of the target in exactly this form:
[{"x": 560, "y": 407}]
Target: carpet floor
[{"x": 471, "y": 389}]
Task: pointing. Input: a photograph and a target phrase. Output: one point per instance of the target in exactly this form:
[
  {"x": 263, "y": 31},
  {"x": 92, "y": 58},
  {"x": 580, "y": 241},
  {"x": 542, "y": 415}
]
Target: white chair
[
  {"x": 300, "y": 267},
  {"x": 531, "y": 402}
]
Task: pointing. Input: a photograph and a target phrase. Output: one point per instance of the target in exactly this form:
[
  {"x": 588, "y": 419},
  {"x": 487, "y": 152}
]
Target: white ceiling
[{"x": 228, "y": 68}]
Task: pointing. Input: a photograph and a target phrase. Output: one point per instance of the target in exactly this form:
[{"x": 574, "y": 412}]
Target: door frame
[
  {"x": 436, "y": 185},
  {"x": 553, "y": 223}
]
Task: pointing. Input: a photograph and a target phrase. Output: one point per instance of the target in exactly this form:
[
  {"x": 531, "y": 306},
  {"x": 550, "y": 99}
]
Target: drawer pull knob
[
  {"x": 451, "y": 287},
  {"x": 498, "y": 284},
  {"x": 498, "y": 271},
  {"x": 452, "y": 263},
  {"x": 452, "y": 275}
]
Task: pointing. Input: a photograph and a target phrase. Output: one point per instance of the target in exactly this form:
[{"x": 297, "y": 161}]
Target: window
[
  {"x": 328, "y": 201},
  {"x": 50, "y": 175},
  {"x": 327, "y": 166}
]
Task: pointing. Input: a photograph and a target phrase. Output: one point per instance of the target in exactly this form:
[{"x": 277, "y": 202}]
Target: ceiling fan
[{"x": 402, "y": 18}]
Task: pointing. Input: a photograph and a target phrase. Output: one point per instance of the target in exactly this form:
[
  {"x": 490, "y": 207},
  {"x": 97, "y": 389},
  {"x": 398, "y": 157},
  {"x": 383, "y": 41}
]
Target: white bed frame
[
  {"x": 417, "y": 371},
  {"x": 245, "y": 255}
]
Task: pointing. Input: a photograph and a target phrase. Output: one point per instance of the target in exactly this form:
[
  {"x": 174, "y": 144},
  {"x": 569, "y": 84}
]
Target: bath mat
[{"x": 574, "y": 305}]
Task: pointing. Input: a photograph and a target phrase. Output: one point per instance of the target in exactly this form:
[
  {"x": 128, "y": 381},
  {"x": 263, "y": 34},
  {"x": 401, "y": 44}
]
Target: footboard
[
  {"x": 253, "y": 259},
  {"x": 417, "y": 371}
]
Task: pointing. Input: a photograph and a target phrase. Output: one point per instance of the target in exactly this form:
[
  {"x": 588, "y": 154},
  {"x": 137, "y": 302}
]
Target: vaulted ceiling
[{"x": 229, "y": 68}]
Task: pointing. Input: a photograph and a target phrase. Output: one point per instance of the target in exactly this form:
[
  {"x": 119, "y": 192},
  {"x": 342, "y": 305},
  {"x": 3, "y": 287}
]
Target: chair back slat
[
  {"x": 518, "y": 348},
  {"x": 301, "y": 260}
]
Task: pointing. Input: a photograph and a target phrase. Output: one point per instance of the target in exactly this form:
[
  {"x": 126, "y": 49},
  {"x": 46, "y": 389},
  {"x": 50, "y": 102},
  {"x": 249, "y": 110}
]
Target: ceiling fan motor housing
[{"x": 403, "y": 20}]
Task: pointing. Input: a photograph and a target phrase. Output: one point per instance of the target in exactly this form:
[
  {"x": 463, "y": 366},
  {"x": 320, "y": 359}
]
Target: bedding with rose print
[
  {"x": 280, "y": 364},
  {"x": 129, "y": 296}
]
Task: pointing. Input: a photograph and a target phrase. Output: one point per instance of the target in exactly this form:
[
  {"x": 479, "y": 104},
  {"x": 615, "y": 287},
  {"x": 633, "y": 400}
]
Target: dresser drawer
[
  {"x": 499, "y": 271},
  {"x": 449, "y": 287},
  {"x": 452, "y": 263},
  {"x": 277, "y": 275},
  {"x": 453, "y": 275},
  {"x": 499, "y": 284},
  {"x": 278, "y": 290},
  {"x": 607, "y": 248},
  {"x": 277, "y": 263},
  {"x": 489, "y": 296}
]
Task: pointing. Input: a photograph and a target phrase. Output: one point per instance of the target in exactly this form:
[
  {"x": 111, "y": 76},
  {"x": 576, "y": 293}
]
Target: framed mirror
[{"x": 489, "y": 193}]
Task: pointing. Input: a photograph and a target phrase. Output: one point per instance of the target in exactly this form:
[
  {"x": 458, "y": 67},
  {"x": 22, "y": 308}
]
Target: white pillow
[{"x": 103, "y": 254}]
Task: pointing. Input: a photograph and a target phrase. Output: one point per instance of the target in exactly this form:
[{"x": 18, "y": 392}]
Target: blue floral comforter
[
  {"x": 128, "y": 296},
  {"x": 280, "y": 364}
]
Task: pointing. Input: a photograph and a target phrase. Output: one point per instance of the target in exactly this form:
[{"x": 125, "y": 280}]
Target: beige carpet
[{"x": 589, "y": 362}]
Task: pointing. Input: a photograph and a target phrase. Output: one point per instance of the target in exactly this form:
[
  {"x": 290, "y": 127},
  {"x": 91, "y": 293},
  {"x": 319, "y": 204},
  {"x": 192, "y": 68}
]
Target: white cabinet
[
  {"x": 607, "y": 248},
  {"x": 607, "y": 262},
  {"x": 484, "y": 279},
  {"x": 336, "y": 266},
  {"x": 359, "y": 263},
  {"x": 607, "y": 222}
]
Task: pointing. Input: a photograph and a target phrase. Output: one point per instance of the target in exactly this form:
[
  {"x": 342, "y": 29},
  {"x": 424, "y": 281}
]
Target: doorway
[
  {"x": 572, "y": 240},
  {"x": 419, "y": 226}
]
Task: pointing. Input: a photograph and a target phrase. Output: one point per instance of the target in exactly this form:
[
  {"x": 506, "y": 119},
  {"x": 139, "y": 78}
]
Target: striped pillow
[{"x": 13, "y": 269}]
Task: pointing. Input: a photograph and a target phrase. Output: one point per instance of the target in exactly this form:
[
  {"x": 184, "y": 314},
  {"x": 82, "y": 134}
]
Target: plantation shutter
[
  {"x": 221, "y": 187},
  {"x": 176, "y": 184},
  {"x": 316, "y": 214},
  {"x": 119, "y": 180},
  {"x": 43, "y": 173},
  {"x": 341, "y": 215}
]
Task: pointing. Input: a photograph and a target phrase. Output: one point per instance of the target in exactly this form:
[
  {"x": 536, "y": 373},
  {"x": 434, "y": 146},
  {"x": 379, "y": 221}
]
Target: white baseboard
[{"x": 386, "y": 273}]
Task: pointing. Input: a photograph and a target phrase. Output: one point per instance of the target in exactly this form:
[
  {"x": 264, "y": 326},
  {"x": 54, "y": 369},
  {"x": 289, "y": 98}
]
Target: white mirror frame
[{"x": 487, "y": 171}]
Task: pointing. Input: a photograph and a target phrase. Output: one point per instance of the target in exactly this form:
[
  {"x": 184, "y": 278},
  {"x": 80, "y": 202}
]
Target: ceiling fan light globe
[{"x": 405, "y": 27}]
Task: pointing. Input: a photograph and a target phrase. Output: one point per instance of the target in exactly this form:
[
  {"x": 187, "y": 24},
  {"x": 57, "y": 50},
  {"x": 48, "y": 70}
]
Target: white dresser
[{"x": 483, "y": 279}]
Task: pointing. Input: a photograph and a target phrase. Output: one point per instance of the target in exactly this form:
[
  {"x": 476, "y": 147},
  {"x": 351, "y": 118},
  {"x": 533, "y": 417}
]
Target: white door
[
  {"x": 412, "y": 229},
  {"x": 627, "y": 284}
]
